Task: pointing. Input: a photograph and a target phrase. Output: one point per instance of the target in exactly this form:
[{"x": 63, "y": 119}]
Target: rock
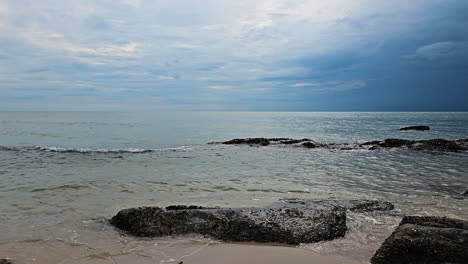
[
  {"x": 352, "y": 205},
  {"x": 395, "y": 143},
  {"x": 278, "y": 225},
  {"x": 294, "y": 141},
  {"x": 248, "y": 141},
  {"x": 437, "y": 145},
  {"x": 418, "y": 128},
  {"x": 288, "y": 221},
  {"x": 5, "y": 261},
  {"x": 425, "y": 240},
  {"x": 441, "y": 145},
  {"x": 310, "y": 145},
  {"x": 465, "y": 192}
]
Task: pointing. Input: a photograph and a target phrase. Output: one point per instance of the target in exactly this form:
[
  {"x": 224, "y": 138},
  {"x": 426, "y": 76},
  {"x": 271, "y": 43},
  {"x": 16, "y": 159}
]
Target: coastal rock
[
  {"x": 352, "y": 205},
  {"x": 465, "y": 193},
  {"x": 5, "y": 261},
  {"x": 438, "y": 145},
  {"x": 417, "y": 128},
  {"x": 290, "y": 221},
  {"x": 425, "y": 240},
  {"x": 279, "y": 225},
  {"x": 442, "y": 145},
  {"x": 248, "y": 141}
]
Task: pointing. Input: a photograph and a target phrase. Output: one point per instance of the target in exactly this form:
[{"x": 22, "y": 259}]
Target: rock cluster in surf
[
  {"x": 425, "y": 240},
  {"x": 288, "y": 221},
  {"x": 417, "y": 128},
  {"x": 440, "y": 145}
]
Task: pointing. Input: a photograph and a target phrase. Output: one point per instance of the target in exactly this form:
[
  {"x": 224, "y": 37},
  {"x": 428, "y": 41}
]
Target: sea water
[{"x": 63, "y": 174}]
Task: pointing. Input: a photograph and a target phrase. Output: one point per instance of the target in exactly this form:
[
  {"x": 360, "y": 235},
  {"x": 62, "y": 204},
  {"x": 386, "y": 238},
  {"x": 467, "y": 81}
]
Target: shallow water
[{"x": 62, "y": 174}]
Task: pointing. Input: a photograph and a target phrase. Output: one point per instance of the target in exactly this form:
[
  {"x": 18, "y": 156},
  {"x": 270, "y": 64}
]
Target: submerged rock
[
  {"x": 418, "y": 128},
  {"x": 289, "y": 221},
  {"x": 441, "y": 145},
  {"x": 425, "y": 240},
  {"x": 248, "y": 141},
  {"x": 352, "y": 205}
]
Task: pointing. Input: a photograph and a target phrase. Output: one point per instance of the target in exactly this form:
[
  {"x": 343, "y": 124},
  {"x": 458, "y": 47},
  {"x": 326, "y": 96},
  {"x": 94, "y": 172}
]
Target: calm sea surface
[{"x": 63, "y": 173}]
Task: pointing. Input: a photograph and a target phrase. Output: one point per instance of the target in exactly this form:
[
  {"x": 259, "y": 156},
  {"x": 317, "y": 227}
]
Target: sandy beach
[{"x": 195, "y": 253}]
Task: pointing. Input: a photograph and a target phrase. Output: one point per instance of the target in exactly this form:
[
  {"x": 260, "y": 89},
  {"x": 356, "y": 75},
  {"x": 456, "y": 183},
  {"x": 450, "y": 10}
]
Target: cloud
[
  {"x": 296, "y": 51},
  {"x": 186, "y": 46},
  {"x": 132, "y": 3},
  {"x": 439, "y": 50},
  {"x": 220, "y": 87},
  {"x": 261, "y": 89},
  {"x": 160, "y": 78},
  {"x": 304, "y": 84},
  {"x": 334, "y": 86}
]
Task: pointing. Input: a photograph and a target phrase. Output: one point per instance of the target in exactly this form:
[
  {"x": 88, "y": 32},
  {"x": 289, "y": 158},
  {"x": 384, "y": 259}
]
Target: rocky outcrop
[
  {"x": 289, "y": 221},
  {"x": 5, "y": 261},
  {"x": 417, "y": 128},
  {"x": 442, "y": 145},
  {"x": 438, "y": 145},
  {"x": 425, "y": 240}
]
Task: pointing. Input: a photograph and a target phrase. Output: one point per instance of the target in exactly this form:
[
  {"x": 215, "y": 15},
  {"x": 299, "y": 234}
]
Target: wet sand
[
  {"x": 56, "y": 252},
  {"x": 238, "y": 253}
]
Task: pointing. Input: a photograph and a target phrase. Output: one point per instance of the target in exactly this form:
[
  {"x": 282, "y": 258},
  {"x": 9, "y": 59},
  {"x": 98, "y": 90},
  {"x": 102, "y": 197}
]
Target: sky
[{"x": 239, "y": 55}]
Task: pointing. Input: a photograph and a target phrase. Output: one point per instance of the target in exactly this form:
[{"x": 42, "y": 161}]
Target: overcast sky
[{"x": 273, "y": 55}]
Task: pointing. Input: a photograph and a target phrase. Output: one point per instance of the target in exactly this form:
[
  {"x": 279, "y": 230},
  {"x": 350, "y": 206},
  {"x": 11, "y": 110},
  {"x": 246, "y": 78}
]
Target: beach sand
[
  {"x": 238, "y": 253},
  {"x": 56, "y": 252}
]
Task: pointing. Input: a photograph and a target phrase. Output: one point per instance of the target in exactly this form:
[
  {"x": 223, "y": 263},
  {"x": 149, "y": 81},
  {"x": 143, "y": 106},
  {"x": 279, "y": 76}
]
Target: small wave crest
[
  {"x": 87, "y": 150},
  {"x": 62, "y": 187},
  {"x": 114, "y": 151}
]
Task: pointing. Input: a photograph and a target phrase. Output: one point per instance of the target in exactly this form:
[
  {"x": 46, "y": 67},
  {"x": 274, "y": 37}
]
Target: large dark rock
[
  {"x": 5, "y": 261},
  {"x": 290, "y": 221},
  {"x": 425, "y": 240},
  {"x": 418, "y": 128}
]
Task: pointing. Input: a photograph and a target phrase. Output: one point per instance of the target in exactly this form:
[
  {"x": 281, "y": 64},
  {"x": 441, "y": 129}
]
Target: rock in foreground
[
  {"x": 425, "y": 240},
  {"x": 417, "y": 128},
  {"x": 5, "y": 261},
  {"x": 289, "y": 222}
]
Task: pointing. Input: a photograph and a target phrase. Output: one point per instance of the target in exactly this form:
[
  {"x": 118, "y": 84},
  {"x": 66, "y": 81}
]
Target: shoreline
[{"x": 26, "y": 252}]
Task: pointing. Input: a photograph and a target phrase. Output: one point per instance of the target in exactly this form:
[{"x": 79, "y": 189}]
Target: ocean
[{"x": 63, "y": 174}]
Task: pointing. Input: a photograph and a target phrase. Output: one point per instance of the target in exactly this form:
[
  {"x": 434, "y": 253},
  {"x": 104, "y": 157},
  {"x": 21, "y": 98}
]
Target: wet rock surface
[
  {"x": 437, "y": 145},
  {"x": 417, "y": 128},
  {"x": 5, "y": 261},
  {"x": 288, "y": 221},
  {"x": 427, "y": 240}
]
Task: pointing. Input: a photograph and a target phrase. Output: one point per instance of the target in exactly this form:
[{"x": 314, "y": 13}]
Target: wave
[
  {"x": 87, "y": 150},
  {"x": 90, "y": 150},
  {"x": 62, "y": 187}
]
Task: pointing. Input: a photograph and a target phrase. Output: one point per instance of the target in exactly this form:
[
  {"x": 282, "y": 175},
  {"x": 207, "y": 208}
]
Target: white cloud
[
  {"x": 336, "y": 86},
  {"x": 261, "y": 89},
  {"x": 132, "y": 3},
  {"x": 160, "y": 78},
  {"x": 87, "y": 54},
  {"x": 304, "y": 84},
  {"x": 220, "y": 87},
  {"x": 186, "y": 46},
  {"x": 439, "y": 50}
]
